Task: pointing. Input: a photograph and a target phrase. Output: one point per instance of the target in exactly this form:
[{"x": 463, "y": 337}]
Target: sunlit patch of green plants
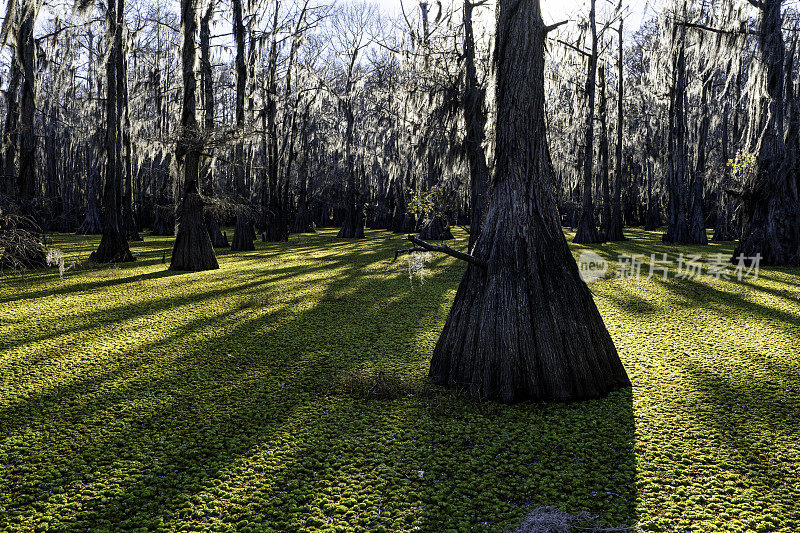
[{"x": 286, "y": 392}]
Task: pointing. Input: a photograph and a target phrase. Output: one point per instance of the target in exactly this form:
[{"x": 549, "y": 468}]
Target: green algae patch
[{"x": 286, "y": 392}]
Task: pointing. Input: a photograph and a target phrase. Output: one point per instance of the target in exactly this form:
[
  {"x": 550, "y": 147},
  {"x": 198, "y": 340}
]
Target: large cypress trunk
[
  {"x": 677, "y": 227},
  {"x": 113, "y": 243},
  {"x": 193, "y": 250},
  {"x": 770, "y": 213},
  {"x": 525, "y": 327}
]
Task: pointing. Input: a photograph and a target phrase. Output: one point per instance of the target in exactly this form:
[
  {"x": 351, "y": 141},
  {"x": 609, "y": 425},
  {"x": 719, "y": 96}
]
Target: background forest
[{"x": 313, "y": 115}]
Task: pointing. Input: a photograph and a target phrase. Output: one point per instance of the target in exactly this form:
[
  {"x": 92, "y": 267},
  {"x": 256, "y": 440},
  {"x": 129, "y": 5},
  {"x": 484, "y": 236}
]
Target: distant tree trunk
[
  {"x": 218, "y": 240},
  {"x": 614, "y": 230},
  {"x": 163, "y": 222},
  {"x": 243, "y": 234},
  {"x": 603, "y": 154},
  {"x": 525, "y": 327},
  {"x": 276, "y": 227},
  {"x": 587, "y": 232},
  {"x": 770, "y": 213},
  {"x": 475, "y": 120},
  {"x": 123, "y": 108},
  {"x": 26, "y": 55},
  {"x": 353, "y": 223},
  {"x": 91, "y": 223},
  {"x": 303, "y": 222},
  {"x": 653, "y": 219},
  {"x": 437, "y": 229},
  {"x": 113, "y": 243},
  {"x": 723, "y": 228},
  {"x": 697, "y": 224},
  {"x": 11, "y": 130},
  {"x": 193, "y": 250},
  {"x": 677, "y": 229}
]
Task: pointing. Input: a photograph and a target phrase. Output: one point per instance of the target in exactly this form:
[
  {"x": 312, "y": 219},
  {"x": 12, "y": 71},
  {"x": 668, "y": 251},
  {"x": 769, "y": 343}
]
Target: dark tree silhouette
[
  {"x": 587, "y": 233},
  {"x": 475, "y": 120},
  {"x": 113, "y": 243},
  {"x": 770, "y": 214},
  {"x": 523, "y": 324},
  {"x": 207, "y": 90},
  {"x": 193, "y": 250},
  {"x": 243, "y": 234},
  {"x": 614, "y": 229}
]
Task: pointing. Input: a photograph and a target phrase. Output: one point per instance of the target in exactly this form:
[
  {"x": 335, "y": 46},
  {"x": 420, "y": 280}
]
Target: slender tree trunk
[
  {"x": 276, "y": 227},
  {"x": 91, "y": 223},
  {"x": 614, "y": 231},
  {"x": 697, "y": 225},
  {"x": 353, "y": 223},
  {"x": 243, "y": 234},
  {"x": 193, "y": 250},
  {"x": 113, "y": 243},
  {"x": 303, "y": 222},
  {"x": 26, "y": 55},
  {"x": 525, "y": 327},
  {"x": 218, "y": 240},
  {"x": 475, "y": 120},
  {"x": 129, "y": 221},
  {"x": 11, "y": 130},
  {"x": 723, "y": 230},
  {"x": 603, "y": 154},
  {"x": 587, "y": 231},
  {"x": 653, "y": 219}
]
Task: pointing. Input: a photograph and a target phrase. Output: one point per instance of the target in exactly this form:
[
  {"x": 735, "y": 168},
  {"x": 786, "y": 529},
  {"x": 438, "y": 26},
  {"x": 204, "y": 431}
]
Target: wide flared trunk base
[
  {"x": 303, "y": 222},
  {"x": 218, "y": 239},
  {"x": 243, "y": 235},
  {"x": 353, "y": 224},
  {"x": 772, "y": 231},
  {"x": 436, "y": 230},
  {"x": 193, "y": 250},
  {"x": 587, "y": 232},
  {"x": 614, "y": 231},
  {"x": 276, "y": 229},
  {"x": 526, "y": 327},
  {"x": 91, "y": 224},
  {"x": 677, "y": 233},
  {"x": 113, "y": 248}
]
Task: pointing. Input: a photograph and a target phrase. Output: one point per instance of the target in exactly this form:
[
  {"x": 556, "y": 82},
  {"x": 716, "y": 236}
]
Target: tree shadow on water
[{"x": 487, "y": 466}]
